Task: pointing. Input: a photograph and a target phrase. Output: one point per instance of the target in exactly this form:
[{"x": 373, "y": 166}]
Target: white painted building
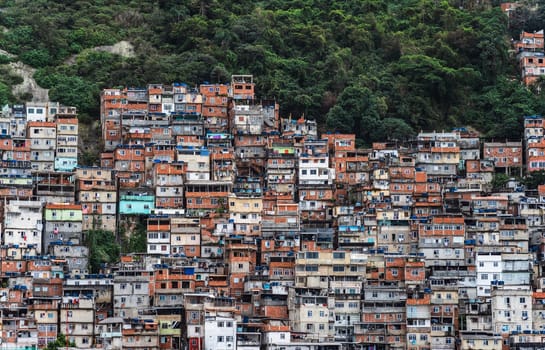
[
  {"x": 315, "y": 170},
  {"x": 276, "y": 337},
  {"x": 220, "y": 333},
  {"x": 23, "y": 224},
  {"x": 511, "y": 309},
  {"x": 198, "y": 163},
  {"x": 489, "y": 268},
  {"x": 41, "y": 111}
]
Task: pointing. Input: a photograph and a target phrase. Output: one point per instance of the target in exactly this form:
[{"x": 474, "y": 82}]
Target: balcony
[
  {"x": 248, "y": 339},
  {"x": 110, "y": 334}
]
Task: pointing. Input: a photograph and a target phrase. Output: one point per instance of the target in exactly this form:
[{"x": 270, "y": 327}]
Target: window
[
  {"x": 311, "y": 255},
  {"x": 338, "y": 268},
  {"x": 338, "y": 255},
  {"x": 309, "y": 313}
]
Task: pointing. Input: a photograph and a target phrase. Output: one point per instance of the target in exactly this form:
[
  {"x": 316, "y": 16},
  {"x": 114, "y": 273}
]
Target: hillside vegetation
[{"x": 379, "y": 68}]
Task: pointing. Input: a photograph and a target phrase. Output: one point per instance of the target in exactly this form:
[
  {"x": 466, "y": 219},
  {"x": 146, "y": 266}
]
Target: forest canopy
[{"x": 379, "y": 68}]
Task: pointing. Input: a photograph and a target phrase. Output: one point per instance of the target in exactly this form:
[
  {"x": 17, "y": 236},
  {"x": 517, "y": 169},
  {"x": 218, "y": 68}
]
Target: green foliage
[
  {"x": 394, "y": 129},
  {"x": 103, "y": 248},
  {"x": 499, "y": 181},
  {"x": 135, "y": 241},
  {"x": 4, "y": 59},
  {"x": 60, "y": 343},
  {"x": 500, "y": 109},
  {"x": 88, "y": 158},
  {"x": 534, "y": 179},
  {"x": 5, "y": 94},
  {"x": 36, "y": 58},
  {"x": 7, "y": 79},
  {"x": 70, "y": 90},
  {"x": 357, "y": 111},
  {"x": 374, "y": 67}
]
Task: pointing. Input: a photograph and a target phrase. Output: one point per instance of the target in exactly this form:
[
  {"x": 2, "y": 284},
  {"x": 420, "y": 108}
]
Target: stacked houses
[{"x": 262, "y": 234}]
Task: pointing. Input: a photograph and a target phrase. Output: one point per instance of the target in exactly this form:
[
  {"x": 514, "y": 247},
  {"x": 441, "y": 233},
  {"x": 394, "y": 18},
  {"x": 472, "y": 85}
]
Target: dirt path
[{"x": 29, "y": 85}]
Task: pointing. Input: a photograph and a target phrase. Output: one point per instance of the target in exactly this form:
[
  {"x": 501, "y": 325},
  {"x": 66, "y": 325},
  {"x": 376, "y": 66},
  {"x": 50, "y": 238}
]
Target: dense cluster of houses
[
  {"x": 529, "y": 48},
  {"x": 263, "y": 234},
  {"x": 530, "y": 54}
]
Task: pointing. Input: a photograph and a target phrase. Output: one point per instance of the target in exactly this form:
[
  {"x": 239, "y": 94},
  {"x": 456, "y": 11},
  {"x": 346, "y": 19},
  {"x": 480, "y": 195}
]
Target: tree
[
  {"x": 36, "y": 58},
  {"x": 103, "y": 248},
  {"x": 5, "y": 94},
  {"x": 357, "y": 111},
  {"x": 393, "y": 129},
  {"x": 431, "y": 64},
  {"x": 136, "y": 240},
  {"x": 75, "y": 91},
  {"x": 534, "y": 179},
  {"x": 60, "y": 343},
  {"x": 502, "y": 107},
  {"x": 499, "y": 181}
]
